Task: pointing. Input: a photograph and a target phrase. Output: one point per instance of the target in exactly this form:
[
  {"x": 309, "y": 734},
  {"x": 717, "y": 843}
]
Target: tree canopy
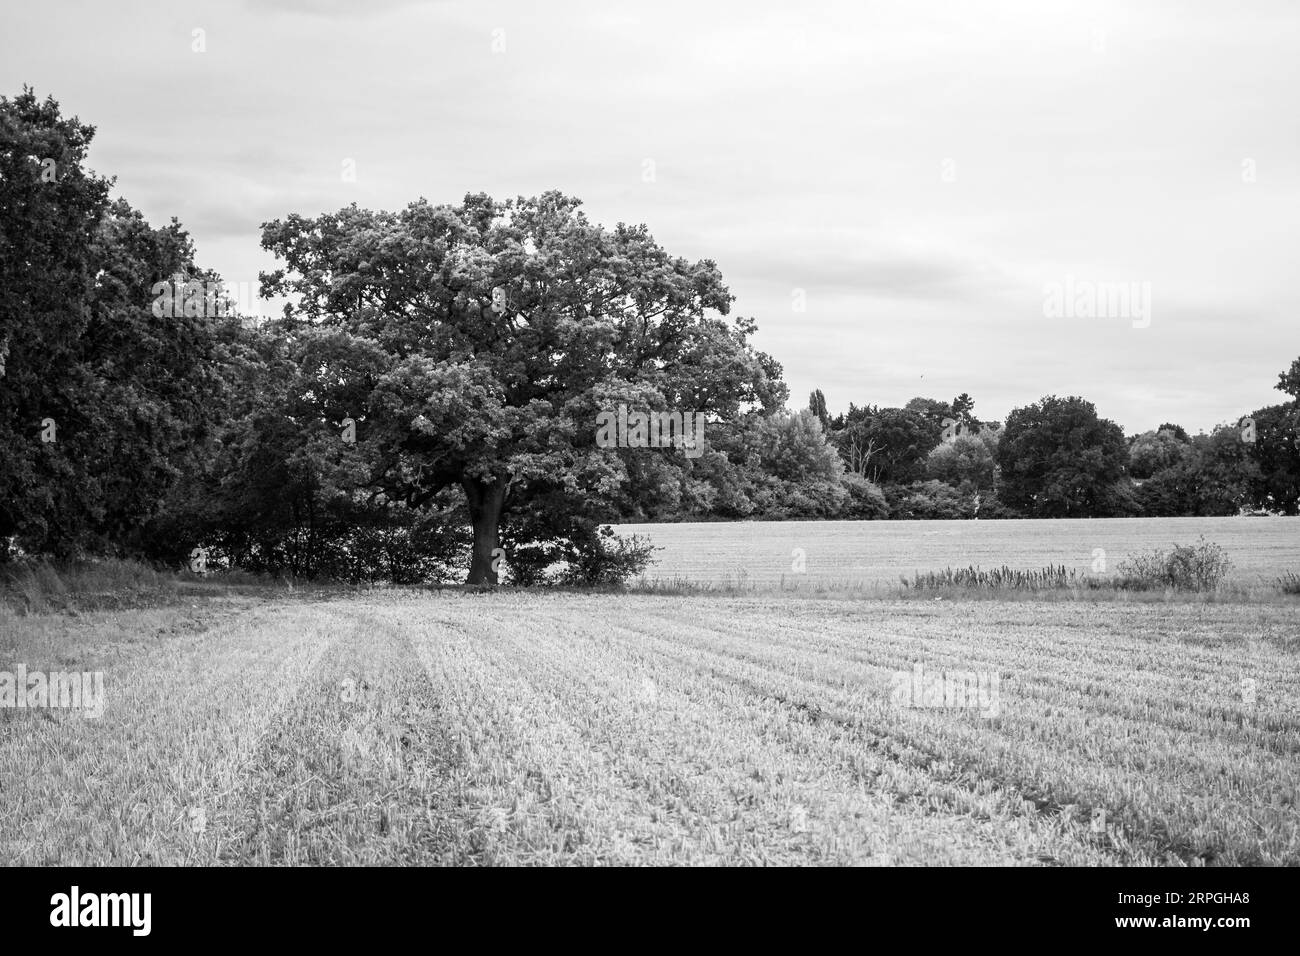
[
  {"x": 1060, "y": 460},
  {"x": 478, "y": 343}
]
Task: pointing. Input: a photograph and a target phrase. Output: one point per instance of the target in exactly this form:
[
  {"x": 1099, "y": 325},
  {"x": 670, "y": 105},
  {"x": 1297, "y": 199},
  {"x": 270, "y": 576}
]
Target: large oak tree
[{"x": 474, "y": 345}]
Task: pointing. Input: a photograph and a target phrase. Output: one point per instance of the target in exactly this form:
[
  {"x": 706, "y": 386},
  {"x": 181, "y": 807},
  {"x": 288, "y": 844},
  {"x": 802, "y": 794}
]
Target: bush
[
  {"x": 541, "y": 550},
  {"x": 526, "y": 565},
  {"x": 931, "y": 500},
  {"x": 1194, "y": 567},
  {"x": 866, "y": 501},
  {"x": 1289, "y": 583},
  {"x": 606, "y": 559},
  {"x": 992, "y": 508},
  {"x": 411, "y": 550}
]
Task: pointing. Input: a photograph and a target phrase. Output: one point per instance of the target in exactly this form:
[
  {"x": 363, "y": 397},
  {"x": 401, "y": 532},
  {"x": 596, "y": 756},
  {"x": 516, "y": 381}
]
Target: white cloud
[{"x": 798, "y": 146}]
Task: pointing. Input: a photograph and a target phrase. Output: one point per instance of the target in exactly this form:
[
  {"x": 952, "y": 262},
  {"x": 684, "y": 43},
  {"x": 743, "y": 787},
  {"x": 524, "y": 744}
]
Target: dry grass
[
  {"x": 33, "y": 587},
  {"x": 566, "y": 728}
]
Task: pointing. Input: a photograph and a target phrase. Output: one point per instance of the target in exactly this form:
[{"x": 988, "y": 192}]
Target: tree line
[
  {"x": 429, "y": 398},
  {"x": 1057, "y": 458}
]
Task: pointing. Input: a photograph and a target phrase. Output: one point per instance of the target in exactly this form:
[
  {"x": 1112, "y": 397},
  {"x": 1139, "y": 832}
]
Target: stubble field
[
  {"x": 532, "y": 728},
  {"x": 871, "y": 553}
]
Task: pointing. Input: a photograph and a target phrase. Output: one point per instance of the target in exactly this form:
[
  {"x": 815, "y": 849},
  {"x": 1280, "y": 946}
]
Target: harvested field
[{"x": 531, "y": 728}]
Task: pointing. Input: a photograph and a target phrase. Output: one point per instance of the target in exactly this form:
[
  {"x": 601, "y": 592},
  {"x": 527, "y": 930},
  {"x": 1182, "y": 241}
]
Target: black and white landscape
[{"x": 437, "y": 433}]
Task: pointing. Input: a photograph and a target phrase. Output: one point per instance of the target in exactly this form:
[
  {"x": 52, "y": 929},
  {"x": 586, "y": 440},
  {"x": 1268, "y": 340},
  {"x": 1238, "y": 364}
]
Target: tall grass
[
  {"x": 38, "y": 586},
  {"x": 1048, "y": 578},
  {"x": 33, "y": 587},
  {"x": 1199, "y": 567}
]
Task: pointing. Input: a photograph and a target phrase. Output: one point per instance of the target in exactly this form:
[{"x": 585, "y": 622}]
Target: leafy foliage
[
  {"x": 1195, "y": 567},
  {"x": 102, "y": 403},
  {"x": 1059, "y": 460},
  {"x": 480, "y": 341},
  {"x": 967, "y": 463},
  {"x": 929, "y": 500}
]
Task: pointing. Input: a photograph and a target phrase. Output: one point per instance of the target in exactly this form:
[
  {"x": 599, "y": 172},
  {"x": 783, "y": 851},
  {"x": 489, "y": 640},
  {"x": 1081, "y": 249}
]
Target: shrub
[
  {"x": 411, "y": 550},
  {"x": 992, "y": 507},
  {"x": 526, "y": 565},
  {"x": 606, "y": 559},
  {"x": 929, "y": 500},
  {"x": 540, "y": 552},
  {"x": 1289, "y": 583},
  {"x": 1193, "y": 567},
  {"x": 866, "y": 501}
]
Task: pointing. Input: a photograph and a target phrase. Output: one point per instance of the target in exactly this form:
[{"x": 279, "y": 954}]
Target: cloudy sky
[{"x": 894, "y": 190}]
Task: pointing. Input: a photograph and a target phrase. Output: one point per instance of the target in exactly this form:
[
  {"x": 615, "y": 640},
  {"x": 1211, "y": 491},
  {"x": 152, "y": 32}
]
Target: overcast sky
[{"x": 915, "y": 175}]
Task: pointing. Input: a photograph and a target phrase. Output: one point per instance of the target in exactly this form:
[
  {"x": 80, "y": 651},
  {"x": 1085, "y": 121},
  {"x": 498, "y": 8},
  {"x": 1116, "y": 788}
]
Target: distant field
[
  {"x": 564, "y": 728},
  {"x": 878, "y": 552}
]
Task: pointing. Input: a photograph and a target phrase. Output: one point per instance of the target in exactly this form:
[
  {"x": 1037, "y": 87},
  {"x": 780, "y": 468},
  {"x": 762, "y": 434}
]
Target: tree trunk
[{"x": 485, "y": 503}]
